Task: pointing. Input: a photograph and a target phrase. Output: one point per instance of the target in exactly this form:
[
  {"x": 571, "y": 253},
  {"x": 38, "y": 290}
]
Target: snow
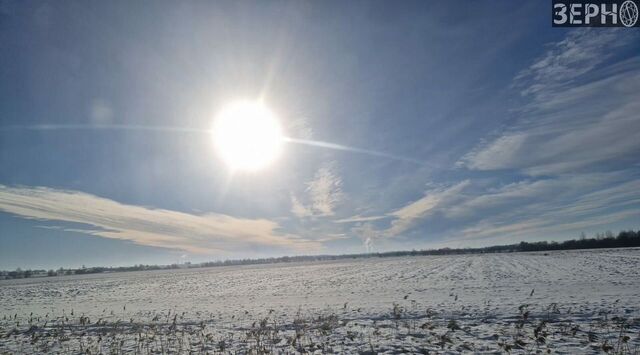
[{"x": 577, "y": 301}]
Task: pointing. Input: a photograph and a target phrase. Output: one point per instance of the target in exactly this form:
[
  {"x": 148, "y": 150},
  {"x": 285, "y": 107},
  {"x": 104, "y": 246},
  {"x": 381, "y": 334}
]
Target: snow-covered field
[{"x": 569, "y": 301}]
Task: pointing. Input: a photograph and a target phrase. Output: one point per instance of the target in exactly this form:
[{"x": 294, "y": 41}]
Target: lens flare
[{"x": 247, "y": 135}]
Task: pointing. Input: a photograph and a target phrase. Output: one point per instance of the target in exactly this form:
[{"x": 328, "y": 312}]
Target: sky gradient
[{"x": 486, "y": 129}]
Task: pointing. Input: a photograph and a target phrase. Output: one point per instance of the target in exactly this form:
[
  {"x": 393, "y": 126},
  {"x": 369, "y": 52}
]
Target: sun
[{"x": 247, "y": 135}]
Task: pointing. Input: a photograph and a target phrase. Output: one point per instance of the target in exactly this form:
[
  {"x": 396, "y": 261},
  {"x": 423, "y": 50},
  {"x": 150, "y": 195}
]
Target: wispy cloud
[
  {"x": 407, "y": 217},
  {"x": 201, "y": 234},
  {"x": 524, "y": 194},
  {"x": 476, "y": 213},
  {"x": 325, "y": 190},
  {"x": 358, "y": 218},
  {"x": 579, "y": 53},
  {"x": 433, "y": 200},
  {"x": 572, "y": 137},
  {"x": 531, "y": 208},
  {"x": 487, "y": 232},
  {"x": 324, "y": 193},
  {"x": 578, "y": 113},
  {"x": 298, "y": 209}
]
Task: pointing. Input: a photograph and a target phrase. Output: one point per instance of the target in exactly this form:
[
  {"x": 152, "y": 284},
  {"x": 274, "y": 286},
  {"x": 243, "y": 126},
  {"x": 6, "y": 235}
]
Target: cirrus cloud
[
  {"x": 578, "y": 113},
  {"x": 209, "y": 234}
]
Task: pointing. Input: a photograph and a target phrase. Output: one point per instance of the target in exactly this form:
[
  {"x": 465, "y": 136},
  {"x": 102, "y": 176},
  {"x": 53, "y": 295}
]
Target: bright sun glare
[{"x": 247, "y": 135}]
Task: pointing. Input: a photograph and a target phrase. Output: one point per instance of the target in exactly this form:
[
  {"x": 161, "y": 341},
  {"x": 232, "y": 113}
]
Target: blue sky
[{"x": 509, "y": 129}]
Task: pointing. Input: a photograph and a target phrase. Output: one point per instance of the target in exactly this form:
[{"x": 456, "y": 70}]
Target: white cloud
[
  {"x": 298, "y": 209},
  {"x": 543, "y": 208},
  {"x": 525, "y": 193},
  {"x": 580, "y": 52},
  {"x": 324, "y": 193},
  {"x": 408, "y": 216},
  {"x": 358, "y": 218},
  {"x": 575, "y": 138},
  {"x": 536, "y": 228},
  {"x": 325, "y": 190},
  {"x": 578, "y": 114},
  {"x": 475, "y": 213},
  {"x": 211, "y": 233},
  {"x": 493, "y": 155}
]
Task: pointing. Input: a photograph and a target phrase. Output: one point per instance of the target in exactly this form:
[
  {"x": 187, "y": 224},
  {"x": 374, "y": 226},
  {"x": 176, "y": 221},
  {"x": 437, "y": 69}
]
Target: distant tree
[{"x": 602, "y": 240}]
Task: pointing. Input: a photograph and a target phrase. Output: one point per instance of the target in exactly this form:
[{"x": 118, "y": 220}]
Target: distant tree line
[
  {"x": 624, "y": 239},
  {"x": 23, "y": 274}
]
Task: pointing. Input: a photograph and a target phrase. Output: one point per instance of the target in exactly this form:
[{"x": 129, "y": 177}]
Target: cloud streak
[
  {"x": 408, "y": 217},
  {"x": 575, "y": 139},
  {"x": 358, "y": 218},
  {"x": 434, "y": 200},
  {"x": 577, "y": 114},
  {"x": 209, "y": 234},
  {"x": 541, "y": 208},
  {"x": 324, "y": 193},
  {"x": 475, "y": 214}
]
